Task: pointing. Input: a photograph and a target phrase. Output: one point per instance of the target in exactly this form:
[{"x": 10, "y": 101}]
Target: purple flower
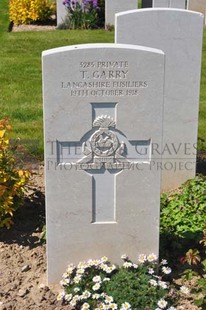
[{"x": 88, "y": 3}]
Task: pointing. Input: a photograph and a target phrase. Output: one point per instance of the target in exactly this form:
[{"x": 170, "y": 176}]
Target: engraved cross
[{"x": 105, "y": 152}]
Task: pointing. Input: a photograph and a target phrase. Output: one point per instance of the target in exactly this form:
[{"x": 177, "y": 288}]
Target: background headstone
[
  {"x": 161, "y": 3},
  {"x": 198, "y": 6},
  {"x": 102, "y": 110},
  {"x": 178, "y": 4},
  {"x": 179, "y": 34},
  {"x": 61, "y": 12},
  {"x": 115, "y": 6}
]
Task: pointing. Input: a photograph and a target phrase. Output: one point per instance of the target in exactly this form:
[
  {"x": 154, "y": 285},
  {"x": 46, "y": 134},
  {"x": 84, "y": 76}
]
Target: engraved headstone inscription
[
  {"x": 102, "y": 112},
  {"x": 183, "y": 51},
  {"x": 115, "y": 6}
]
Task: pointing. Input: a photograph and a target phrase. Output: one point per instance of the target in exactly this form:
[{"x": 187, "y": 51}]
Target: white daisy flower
[
  {"x": 124, "y": 256},
  {"x": 80, "y": 271},
  {"x": 64, "y": 282},
  {"x": 96, "y": 286},
  {"x": 151, "y": 271},
  {"x": 166, "y": 270},
  {"x": 125, "y": 306},
  {"x": 68, "y": 297},
  {"x": 162, "y": 304},
  {"x": 76, "y": 289},
  {"x": 103, "y": 267},
  {"x": 110, "y": 269},
  {"x": 185, "y": 290},
  {"x": 85, "y": 306},
  {"x": 97, "y": 279},
  {"x": 70, "y": 269},
  {"x": 95, "y": 296},
  {"x": 152, "y": 257},
  {"x": 76, "y": 298},
  {"x": 86, "y": 294},
  {"x": 108, "y": 299},
  {"x": 65, "y": 275},
  {"x": 113, "y": 306},
  {"x": 60, "y": 296},
  {"x": 162, "y": 284},
  {"x": 77, "y": 279},
  {"x": 106, "y": 279},
  {"x": 164, "y": 262},
  {"x": 104, "y": 259},
  {"x": 127, "y": 264},
  {"x": 153, "y": 282},
  {"x": 73, "y": 303},
  {"x": 142, "y": 258}
]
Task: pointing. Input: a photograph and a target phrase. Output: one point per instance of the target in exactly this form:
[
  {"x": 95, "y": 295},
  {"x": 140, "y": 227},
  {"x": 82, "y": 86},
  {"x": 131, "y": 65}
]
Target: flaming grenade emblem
[{"x": 103, "y": 147}]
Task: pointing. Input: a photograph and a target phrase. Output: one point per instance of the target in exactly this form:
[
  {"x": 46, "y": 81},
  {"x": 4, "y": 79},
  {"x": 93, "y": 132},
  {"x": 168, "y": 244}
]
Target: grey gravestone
[
  {"x": 198, "y": 6},
  {"x": 61, "y": 12},
  {"x": 182, "y": 43},
  {"x": 161, "y": 3},
  {"x": 179, "y": 4},
  {"x": 102, "y": 110},
  {"x": 115, "y": 6}
]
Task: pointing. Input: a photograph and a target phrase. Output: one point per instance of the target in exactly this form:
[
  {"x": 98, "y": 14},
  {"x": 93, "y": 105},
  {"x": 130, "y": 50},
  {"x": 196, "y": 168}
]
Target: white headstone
[
  {"x": 61, "y": 12},
  {"x": 102, "y": 110},
  {"x": 179, "y": 34},
  {"x": 161, "y": 3},
  {"x": 178, "y": 4},
  {"x": 198, "y": 6},
  {"x": 115, "y": 6}
]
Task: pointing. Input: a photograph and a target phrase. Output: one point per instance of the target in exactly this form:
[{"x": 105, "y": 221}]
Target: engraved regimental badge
[{"x": 103, "y": 149}]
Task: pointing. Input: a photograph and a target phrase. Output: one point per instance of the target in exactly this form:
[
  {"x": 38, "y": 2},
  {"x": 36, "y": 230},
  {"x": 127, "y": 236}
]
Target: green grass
[{"x": 20, "y": 75}]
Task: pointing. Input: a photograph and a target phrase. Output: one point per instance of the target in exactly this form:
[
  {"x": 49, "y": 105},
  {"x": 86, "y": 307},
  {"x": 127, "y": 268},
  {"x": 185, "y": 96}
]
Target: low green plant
[
  {"x": 98, "y": 284},
  {"x": 196, "y": 274},
  {"x": 183, "y": 213},
  {"x": 81, "y": 14},
  {"x": 12, "y": 177}
]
